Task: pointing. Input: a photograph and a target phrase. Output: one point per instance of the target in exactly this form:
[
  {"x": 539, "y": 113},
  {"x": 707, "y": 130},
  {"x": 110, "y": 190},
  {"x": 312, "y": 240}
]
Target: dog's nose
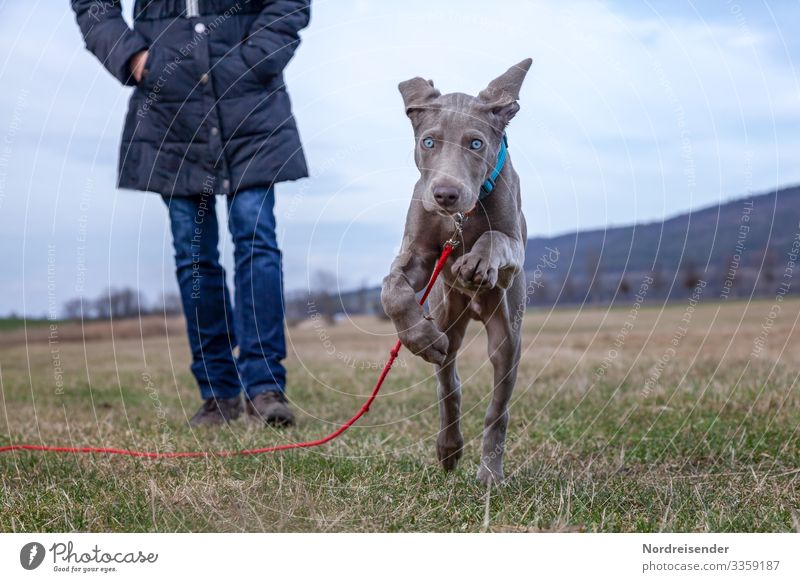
[{"x": 445, "y": 195}]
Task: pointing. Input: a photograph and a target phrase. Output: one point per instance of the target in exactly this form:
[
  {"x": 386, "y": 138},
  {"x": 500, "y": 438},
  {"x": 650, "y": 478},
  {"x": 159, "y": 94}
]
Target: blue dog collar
[{"x": 489, "y": 184}]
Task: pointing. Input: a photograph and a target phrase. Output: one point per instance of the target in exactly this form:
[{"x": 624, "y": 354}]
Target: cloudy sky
[{"x": 632, "y": 112}]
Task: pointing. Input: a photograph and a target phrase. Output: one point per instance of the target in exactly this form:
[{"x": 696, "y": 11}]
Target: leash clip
[{"x": 458, "y": 220}]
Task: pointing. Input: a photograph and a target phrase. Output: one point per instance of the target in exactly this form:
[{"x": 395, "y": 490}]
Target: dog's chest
[{"x": 475, "y": 297}]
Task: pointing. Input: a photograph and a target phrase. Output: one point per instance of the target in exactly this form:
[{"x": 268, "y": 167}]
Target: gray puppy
[{"x": 459, "y": 145}]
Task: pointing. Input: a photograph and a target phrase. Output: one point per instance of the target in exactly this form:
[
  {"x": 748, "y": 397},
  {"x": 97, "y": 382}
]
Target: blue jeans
[{"x": 255, "y": 323}]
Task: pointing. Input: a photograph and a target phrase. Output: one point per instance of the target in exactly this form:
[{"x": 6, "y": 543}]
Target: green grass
[
  {"x": 714, "y": 447},
  {"x": 12, "y": 323}
]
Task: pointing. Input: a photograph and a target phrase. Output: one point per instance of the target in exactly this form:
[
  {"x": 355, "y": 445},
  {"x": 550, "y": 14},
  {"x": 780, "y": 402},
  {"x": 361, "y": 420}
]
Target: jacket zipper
[{"x": 192, "y": 8}]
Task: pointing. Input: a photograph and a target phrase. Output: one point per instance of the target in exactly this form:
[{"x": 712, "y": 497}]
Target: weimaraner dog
[{"x": 460, "y": 146}]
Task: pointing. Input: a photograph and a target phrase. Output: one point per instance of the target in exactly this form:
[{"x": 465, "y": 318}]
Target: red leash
[{"x": 448, "y": 248}]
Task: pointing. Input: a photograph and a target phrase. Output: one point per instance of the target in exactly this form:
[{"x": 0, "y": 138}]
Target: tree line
[{"x": 121, "y": 303}]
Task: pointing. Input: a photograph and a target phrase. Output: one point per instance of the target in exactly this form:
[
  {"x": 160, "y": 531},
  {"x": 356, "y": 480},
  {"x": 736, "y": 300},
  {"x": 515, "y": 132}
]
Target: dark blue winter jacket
[{"x": 211, "y": 113}]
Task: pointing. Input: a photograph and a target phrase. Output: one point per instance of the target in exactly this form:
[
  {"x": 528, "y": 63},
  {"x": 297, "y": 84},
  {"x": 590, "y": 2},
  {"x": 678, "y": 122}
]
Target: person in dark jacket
[{"x": 210, "y": 116}]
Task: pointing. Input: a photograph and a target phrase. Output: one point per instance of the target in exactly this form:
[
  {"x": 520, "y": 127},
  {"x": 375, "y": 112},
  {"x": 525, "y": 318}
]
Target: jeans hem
[
  {"x": 207, "y": 394},
  {"x": 256, "y": 390}
]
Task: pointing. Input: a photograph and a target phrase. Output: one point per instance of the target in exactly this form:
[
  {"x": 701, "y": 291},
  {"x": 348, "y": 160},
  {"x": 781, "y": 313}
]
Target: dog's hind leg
[
  {"x": 503, "y": 324},
  {"x": 450, "y": 310}
]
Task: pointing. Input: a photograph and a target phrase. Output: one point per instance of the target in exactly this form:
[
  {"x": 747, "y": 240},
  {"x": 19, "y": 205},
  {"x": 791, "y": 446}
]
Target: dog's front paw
[
  {"x": 490, "y": 475},
  {"x": 425, "y": 340},
  {"x": 475, "y": 271},
  {"x": 449, "y": 450}
]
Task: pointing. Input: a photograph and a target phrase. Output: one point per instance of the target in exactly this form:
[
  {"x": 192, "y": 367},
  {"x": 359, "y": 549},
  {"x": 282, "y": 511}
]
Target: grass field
[{"x": 611, "y": 430}]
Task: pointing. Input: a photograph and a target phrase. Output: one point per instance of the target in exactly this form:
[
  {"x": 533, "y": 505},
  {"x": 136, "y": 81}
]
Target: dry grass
[{"x": 712, "y": 445}]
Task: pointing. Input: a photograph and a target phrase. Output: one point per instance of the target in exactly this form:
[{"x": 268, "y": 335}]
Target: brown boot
[
  {"x": 217, "y": 411},
  {"x": 271, "y": 408}
]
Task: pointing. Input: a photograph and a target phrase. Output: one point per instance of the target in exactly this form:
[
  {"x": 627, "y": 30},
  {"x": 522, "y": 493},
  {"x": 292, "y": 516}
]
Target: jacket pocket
[
  {"x": 253, "y": 59},
  {"x": 236, "y": 75},
  {"x": 153, "y": 69}
]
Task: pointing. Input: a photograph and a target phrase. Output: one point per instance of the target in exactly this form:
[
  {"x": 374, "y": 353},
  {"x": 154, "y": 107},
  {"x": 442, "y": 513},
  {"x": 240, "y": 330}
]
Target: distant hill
[
  {"x": 740, "y": 244},
  {"x": 734, "y": 249}
]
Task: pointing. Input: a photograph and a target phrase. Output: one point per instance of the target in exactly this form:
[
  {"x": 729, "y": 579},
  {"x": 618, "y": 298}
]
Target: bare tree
[
  {"x": 170, "y": 303},
  {"x": 125, "y": 303},
  {"x": 100, "y": 308},
  {"x": 624, "y": 288},
  {"x": 690, "y": 275},
  {"x": 73, "y": 308},
  {"x": 323, "y": 298},
  {"x": 120, "y": 303}
]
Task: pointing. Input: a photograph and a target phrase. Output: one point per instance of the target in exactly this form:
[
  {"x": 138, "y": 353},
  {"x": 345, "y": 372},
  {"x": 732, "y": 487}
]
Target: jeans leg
[
  {"x": 205, "y": 296},
  {"x": 259, "y": 291}
]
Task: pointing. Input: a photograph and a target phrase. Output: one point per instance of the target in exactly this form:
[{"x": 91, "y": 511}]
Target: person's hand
[{"x": 137, "y": 65}]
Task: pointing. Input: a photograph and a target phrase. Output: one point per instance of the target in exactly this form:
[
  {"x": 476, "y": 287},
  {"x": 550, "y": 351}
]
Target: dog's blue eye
[
  {"x": 427, "y": 143},
  {"x": 476, "y": 144}
]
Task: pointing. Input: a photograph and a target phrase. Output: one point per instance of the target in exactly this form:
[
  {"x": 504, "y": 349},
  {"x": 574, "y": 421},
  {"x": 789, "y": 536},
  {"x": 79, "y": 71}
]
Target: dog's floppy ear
[
  {"x": 417, "y": 95},
  {"x": 501, "y": 95}
]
